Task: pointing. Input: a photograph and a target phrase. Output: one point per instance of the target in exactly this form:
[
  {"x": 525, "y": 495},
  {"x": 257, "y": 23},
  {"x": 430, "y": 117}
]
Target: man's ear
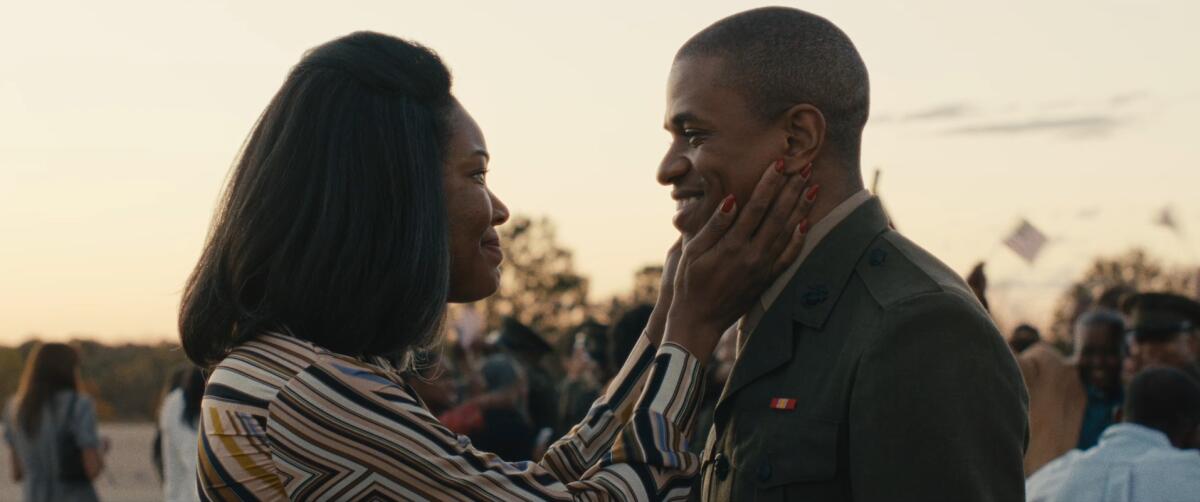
[{"x": 804, "y": 125}]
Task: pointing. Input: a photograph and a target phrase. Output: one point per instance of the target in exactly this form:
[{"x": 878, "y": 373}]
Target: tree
[
  {"x": 126, "y": 381},
  {"x": 646, "y": 283},
  {"x": 538, "y": 282},
  {"x": 1110, "y": 279}
]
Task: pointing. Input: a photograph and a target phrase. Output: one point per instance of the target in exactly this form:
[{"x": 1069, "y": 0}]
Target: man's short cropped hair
[{"x": 778, "y": 57}]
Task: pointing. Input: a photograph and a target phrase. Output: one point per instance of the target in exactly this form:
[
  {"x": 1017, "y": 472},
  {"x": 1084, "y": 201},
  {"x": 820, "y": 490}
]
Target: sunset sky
[{"x": 119, "y": 121}]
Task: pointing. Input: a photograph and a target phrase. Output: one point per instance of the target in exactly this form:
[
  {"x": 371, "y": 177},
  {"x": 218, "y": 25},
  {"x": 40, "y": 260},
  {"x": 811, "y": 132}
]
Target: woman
[
  {"x": 358, "y": 209},
  {"x": 51, "y": 428},
  {"x": 178, "y": 422}
]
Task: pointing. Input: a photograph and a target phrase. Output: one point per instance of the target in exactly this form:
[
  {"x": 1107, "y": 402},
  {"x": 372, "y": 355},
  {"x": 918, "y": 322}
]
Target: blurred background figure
[
  {"x": 1098, "y": 349},
  {"x": 177, "y": 419},
  {"x": 1142, "y": 459},
  {"x": 1072, "y": 401},
  {"x": 977, "y": 280},
  {"x": 624, "y": 334},
  {"x": 1023, "y": 337},
  {"x": 529, "y": 349},
  {"x": 50, "y": 426},
  {"x": 585, "y": 365},
  {"x": 174, "y": 381},
  {"x": 1162, "y": 333},
  {"x": 506, "y": 428}
]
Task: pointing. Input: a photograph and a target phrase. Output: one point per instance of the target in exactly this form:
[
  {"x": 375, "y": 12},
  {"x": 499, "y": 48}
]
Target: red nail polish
[
  {"x": 812, "y": 193},
  {"x": 727, "y": 206},
  {"x": 806, "y": 171},
  {"x": 778, "y": 165},
  {"x": 803, "y": 226}
]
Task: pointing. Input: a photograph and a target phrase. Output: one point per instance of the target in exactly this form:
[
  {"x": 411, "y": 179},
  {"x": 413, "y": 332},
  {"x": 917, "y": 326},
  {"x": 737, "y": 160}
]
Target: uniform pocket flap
[{"x": 801, "y": 450}]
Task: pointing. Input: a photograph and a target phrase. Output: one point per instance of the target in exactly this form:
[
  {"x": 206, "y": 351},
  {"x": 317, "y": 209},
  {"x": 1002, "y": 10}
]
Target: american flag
[
  {"x": 1166, "y": 218},
  {"x": 1027, "y": 241}
]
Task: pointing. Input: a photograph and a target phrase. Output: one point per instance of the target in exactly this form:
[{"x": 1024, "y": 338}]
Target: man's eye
[
  {"x": 480, "y": 177},
  {"x": 694, "y": 137}
]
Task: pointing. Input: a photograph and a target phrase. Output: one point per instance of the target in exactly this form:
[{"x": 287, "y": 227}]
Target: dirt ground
[{"x": 128, "y": 475}]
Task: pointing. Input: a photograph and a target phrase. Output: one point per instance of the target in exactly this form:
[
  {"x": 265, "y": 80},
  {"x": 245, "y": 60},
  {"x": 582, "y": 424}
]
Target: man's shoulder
[
  {"x": 898, "y": 272},
  {"x": 1047, "y": 482}
]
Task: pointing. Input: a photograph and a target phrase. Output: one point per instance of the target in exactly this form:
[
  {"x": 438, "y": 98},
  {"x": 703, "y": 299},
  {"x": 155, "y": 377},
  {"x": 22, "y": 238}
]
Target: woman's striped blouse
[{"x": 284, "y": 419}]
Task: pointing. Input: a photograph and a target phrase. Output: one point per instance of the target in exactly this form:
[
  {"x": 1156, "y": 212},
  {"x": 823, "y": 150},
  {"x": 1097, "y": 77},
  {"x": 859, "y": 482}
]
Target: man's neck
[{"x": 833, "y": 193}]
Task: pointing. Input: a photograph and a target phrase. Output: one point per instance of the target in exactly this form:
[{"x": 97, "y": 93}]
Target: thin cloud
[
  {"x": 942, "y": 112},
  {"x": 1127, "y": 98},
  {"x": 1085, "y": 126}
]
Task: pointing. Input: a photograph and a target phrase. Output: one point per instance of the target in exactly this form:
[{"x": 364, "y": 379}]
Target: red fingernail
[
  {"x": 806, "y": 171},
  {"x": 812, "y": 193},
  {"x": 803, "y": 226},
  {"x": 778, "y": 165},
  {"x": 727, "y": 206}
]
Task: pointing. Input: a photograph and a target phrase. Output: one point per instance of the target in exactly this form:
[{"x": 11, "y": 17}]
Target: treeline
[{"x": 126, "y": 380}]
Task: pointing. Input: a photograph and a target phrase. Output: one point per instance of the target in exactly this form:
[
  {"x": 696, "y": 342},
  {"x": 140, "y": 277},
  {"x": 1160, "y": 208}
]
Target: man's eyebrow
[{"x": 681, "y": 118}]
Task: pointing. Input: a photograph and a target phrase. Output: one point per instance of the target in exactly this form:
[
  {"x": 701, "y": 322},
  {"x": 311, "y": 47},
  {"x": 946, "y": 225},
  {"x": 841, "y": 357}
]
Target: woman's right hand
[{"x": 728, "y": 264}]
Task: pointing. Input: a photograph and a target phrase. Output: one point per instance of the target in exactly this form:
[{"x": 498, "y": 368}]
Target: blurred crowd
[
  {"x": 1114, "y": 411},
  {"x": 1115, "y": 416}
]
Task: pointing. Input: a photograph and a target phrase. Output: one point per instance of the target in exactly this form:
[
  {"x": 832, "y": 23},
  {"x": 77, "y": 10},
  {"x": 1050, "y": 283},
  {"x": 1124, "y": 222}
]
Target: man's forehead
[{"x": 695, "y": 93}]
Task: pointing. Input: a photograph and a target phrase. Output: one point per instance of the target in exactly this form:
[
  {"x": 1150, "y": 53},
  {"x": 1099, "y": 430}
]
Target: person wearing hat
[
  {"x": 528, "y": 348},
  {"x": 1162, "y": 333}
]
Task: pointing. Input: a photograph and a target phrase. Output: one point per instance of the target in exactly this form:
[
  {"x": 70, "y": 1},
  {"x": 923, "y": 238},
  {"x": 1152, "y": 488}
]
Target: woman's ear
[{"x": 804, "y": 125}]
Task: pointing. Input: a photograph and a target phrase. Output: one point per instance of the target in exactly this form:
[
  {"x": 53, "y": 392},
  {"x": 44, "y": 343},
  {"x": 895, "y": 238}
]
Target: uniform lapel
[{"x": 808, "y": 299}]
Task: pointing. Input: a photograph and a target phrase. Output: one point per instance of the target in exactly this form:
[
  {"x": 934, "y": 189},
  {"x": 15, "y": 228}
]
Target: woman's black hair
[
  {"x": 193, "y": 393},
  {"x": 333, "y": 227}
]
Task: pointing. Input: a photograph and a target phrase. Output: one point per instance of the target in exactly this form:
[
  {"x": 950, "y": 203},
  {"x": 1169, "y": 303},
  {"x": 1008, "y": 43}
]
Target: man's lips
[
  {"x": 686, "y": 202},
  {"x": 686, "y": 197}
]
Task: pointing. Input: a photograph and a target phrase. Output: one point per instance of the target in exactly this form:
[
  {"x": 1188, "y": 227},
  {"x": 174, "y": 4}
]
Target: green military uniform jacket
[{"x": 904, "y": 389}]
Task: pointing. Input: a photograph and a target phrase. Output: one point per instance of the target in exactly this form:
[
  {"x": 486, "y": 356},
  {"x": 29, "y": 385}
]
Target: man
[
  {"x": 1141, "y": 459},
  {"x": 1023, "y": 337},
  {"x": 870, "y": 372},
  {"x": 1163, "y": 332},
  {"x": 528, "y": 348},
  {"x": 1072, "y": 402}
]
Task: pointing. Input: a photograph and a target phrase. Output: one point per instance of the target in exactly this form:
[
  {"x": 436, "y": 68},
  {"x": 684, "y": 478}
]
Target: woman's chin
[{"x": 483, "y": 286}]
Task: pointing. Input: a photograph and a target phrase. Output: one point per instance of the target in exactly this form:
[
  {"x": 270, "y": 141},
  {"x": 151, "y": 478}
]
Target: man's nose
[{"x": 672, "y": 167}]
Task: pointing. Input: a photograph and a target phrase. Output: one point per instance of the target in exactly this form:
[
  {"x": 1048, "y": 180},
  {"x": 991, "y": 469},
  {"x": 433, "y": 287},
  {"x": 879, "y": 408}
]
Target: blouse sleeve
[
  {"x": 342, "y": 430},
  {"x": 82, "y": 423}
]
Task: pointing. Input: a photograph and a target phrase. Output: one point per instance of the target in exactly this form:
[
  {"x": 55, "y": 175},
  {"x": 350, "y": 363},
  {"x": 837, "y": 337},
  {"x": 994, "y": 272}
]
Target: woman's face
[{"x": 473, "y": 212}]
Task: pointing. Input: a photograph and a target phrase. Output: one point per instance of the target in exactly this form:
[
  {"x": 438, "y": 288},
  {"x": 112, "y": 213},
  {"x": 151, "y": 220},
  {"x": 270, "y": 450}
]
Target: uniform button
[
  {"x": 764, "y": 471},
  {"x": 816, "y": 295},
  {"x": 721, "y": 466},
  {"x": 878, "y": 256}
]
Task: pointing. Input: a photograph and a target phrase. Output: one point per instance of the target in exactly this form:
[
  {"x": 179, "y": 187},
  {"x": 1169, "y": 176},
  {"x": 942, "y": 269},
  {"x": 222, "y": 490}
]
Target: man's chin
[{"x": 688, "y": 224}]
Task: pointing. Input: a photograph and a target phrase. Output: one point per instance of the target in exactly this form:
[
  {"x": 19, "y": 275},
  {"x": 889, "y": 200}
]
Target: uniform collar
[
  {"x": 810, "y": 295},
  {"x": 821, "y": 278},
  {"x": 815, "y": 236}
]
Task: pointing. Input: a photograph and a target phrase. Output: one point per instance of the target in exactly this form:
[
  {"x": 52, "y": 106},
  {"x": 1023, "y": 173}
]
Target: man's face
[
  {"x": 1099, "y": 355},
  {"x": 1178, "y": 352},
  {"x": 719, "y": 146}
]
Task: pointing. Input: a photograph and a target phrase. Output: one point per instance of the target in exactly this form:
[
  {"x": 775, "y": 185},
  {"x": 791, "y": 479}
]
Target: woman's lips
[{"x": 492, "y": 249}]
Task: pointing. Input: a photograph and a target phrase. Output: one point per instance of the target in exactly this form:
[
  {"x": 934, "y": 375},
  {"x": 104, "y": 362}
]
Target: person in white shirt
[
  {"x": 1150, "y": 457},
  {"x": 177, "y": 420}
]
